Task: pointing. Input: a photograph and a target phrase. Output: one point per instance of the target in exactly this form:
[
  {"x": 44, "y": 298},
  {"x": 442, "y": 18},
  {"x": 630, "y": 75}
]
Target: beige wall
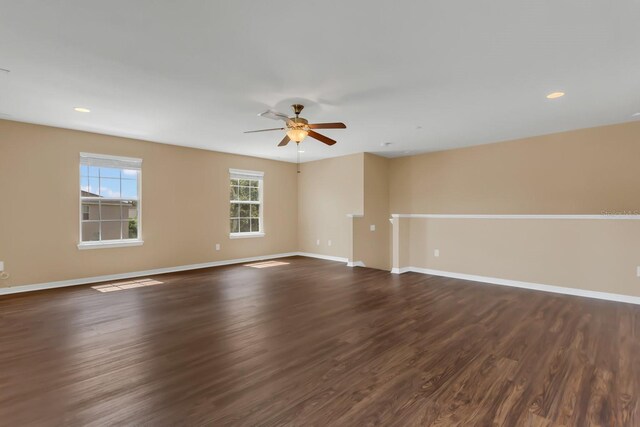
[
  {"x": 329, "y": 190},
  {"x": 580, "y": 172},
  {"x": 589, "y": 171},
  {"x": 373, "y": 248},
  {"x": 185, "y": 205},
  {"x": 597, "y": 255},
  {"x": 402, "y": 242},
  {"x": 332, "y": 189}
]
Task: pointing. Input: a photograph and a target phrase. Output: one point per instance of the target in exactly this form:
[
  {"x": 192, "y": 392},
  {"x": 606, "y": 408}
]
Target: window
[
  {"x": 246, "y": 204},
  {"x": 109, "y": 201}
]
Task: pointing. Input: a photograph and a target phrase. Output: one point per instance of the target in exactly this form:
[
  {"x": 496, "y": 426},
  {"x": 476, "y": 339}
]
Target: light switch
[
  {"x": 1, "y": 265},
  {"x": 217, "y": 246},
  {"x": 436, "y": 253},
  {"x": 318, "y": 242},
  {"x": 372, "y": 227},
  {"x": 329, "y": 243}
]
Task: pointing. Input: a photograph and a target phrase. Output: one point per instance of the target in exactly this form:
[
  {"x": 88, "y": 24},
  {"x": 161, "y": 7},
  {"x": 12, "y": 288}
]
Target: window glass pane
[
  {"x": 109, "y": 173},
  {"x": 130, "y": 210},
  {"x": 109, "y": 187},
  {"x": 235, "y": 210},
  {"x": 110, "y": 230},
  {"x": 114, "y": 212},
  {"x": 90, "y": 211},
  {"x": 90, "y": 231},
  {"x": 235, "y": 191},
  {"x": 130, "y": 229},
  {"x": 245, "y": 194},
  {"x": 84, "y": 184},
  {"x": 110, "y": 210},
  {"x": 94, "y": 187},
  {"x": 94, "y": 171},
  {"x": 244, "y": 217},
  {"x": 129, "y": 188}
]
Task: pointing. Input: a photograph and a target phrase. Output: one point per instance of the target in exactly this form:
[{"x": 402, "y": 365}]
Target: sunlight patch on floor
[
  {"x": 265, "y": 264},
  {"x": 129, "y": 284}
]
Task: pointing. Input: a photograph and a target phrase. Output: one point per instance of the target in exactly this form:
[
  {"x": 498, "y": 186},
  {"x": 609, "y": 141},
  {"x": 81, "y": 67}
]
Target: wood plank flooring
[{"x": 313, "y": 342}]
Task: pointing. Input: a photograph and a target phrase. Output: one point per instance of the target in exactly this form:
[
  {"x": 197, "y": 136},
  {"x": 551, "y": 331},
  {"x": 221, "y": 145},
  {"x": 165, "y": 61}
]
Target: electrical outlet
[
  {"x": 372, "y": 227},
  {"x": 637, "y": 270},
  {"x": 2, "y": 266},
  {"x": 329, "y": 243},
  {"x": 318, "y": 242},
  {"x": 217, "y": 246},
  {"x": 436, "y": 253}
]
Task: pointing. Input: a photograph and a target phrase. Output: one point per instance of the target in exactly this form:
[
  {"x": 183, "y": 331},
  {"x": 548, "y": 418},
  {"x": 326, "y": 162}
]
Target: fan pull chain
[{"x": 298, "y": 156}]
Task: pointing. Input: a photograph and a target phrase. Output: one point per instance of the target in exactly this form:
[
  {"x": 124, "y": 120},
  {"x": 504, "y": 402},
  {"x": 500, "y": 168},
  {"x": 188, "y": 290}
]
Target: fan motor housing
[{"x": 298, "y": 122}]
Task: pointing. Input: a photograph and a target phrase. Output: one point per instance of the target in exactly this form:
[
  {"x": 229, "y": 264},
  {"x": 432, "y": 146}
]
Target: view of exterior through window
[
  {"x": 246, "y": 203},
  {"x": 110, "y": 198}
]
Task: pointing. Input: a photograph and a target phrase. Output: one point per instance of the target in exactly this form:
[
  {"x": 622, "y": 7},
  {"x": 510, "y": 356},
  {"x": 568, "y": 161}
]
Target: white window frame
[
  {"x": 254, "y": 176},
  {"x": 104, "y": 160}
]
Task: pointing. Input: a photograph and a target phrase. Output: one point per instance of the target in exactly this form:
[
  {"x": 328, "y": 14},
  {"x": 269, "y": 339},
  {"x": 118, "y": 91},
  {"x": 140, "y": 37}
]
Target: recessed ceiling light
[
  {"x": 635, "y": 115},
  {"x": 554, "y": 95},
  {"x": 386, "y": 144},
  {"x": 300, "y": 151},
  {"x": 82, "y": 110}
]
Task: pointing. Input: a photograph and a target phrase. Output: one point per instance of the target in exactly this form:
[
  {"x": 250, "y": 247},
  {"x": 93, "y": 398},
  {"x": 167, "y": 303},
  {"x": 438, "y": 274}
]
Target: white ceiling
[{"x": 196, "y": 73}]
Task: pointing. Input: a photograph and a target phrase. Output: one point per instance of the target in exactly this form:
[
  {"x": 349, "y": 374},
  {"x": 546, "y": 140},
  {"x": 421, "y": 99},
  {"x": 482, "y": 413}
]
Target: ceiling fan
[{"x": 298, "y": 128}]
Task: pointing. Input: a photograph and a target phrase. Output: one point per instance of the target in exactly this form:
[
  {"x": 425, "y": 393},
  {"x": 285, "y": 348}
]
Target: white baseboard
[
  {"x": 524, "y": 285},
  {"x": 120, "y": 276},
  {"x": 320, "y": 256},
  {"x": 608, "y": 217},
  {"x": 481, "y": 279},
  {"x": 356, "y": 264}
]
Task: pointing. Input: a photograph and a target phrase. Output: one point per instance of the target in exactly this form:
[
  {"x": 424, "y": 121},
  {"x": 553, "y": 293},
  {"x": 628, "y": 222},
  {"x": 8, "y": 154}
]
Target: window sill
[
  {"x": 109, "y": 244},
  {"x": 245, "y": 235}
]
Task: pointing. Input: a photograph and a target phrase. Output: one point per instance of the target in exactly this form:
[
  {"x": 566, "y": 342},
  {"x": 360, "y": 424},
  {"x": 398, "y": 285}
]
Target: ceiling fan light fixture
[
  {"x": 298, "y": 128},
  {"x": 297, "y": 135}
]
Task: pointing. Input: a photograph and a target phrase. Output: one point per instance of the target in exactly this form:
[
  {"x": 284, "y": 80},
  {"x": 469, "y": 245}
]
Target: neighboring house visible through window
[
  {"x": 246, "y": 203},
  {"x": 109, "y": 201}
]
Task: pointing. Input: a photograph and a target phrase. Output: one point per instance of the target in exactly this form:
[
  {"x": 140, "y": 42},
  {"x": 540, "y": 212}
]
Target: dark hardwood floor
[{"x": 313, "y": 342}]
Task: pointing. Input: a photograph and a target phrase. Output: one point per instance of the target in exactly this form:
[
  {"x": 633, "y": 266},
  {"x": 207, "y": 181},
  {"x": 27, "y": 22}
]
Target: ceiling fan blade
[
  {"x": 284, "y": 141},
  {"x": 321, "y": 138},
  {"x": 328, "y": 126},
  {"x": 263, "y": 130},
  {"x": 274, "y": 115}
]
